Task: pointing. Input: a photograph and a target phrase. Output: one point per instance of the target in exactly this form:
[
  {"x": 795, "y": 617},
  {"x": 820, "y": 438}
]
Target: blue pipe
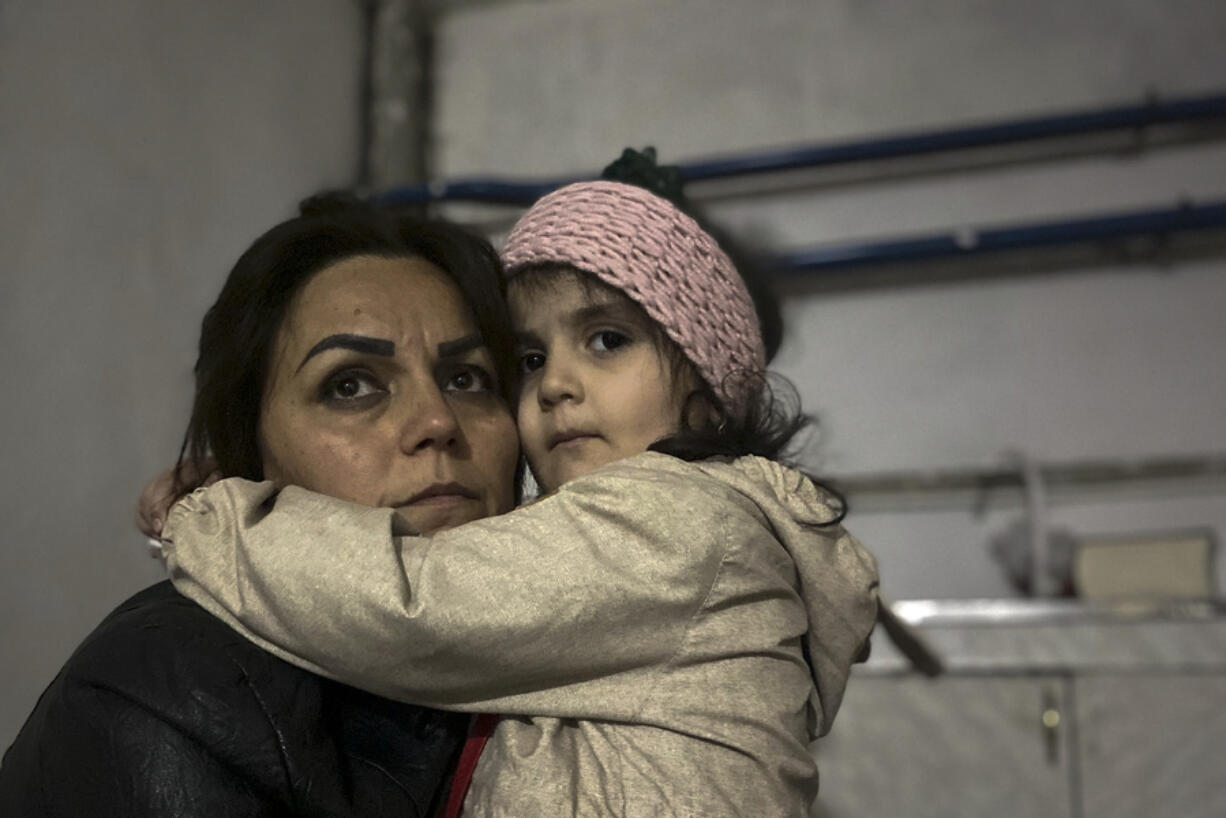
[
  {"x": 489, "y": 191},
  {"x": 1189, "y": 109},
  {"x": 1185, "y": 217},
  {"x": 1022, "y": 130}
]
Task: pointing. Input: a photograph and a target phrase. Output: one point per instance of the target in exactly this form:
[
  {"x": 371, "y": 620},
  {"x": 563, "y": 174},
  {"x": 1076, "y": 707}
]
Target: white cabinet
[
  {"x": 1049, "y": 710},
  {"x": 906, "y": 747},
  {"x": 1152, "y": 745}
]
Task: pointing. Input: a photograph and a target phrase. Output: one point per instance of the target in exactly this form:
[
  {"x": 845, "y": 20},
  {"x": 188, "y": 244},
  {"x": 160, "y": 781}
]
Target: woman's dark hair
[
  {"x": 773, "y": 418},
  {"x": 240, "y": 329}
]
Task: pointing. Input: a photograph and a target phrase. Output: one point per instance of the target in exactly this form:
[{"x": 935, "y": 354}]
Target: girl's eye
[
  {"x": 349, "y": 386},
  {"x": 608, "y": 340},
  {"x": 531, "y": 361},
  {"x": 469, "y": 379}
]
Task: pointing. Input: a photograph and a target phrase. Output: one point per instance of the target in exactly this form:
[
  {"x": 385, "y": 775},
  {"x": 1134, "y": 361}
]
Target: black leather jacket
[{"x": 165, "y": 711}]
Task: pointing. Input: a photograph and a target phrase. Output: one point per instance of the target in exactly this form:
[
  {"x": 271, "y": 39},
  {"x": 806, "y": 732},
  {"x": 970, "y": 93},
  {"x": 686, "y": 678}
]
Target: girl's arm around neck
[{"x": 578, "y": 590}]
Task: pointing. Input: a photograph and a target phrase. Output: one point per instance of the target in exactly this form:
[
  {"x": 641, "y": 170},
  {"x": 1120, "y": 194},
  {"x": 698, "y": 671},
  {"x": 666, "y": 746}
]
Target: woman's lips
[
  {"x": 438, "y": 500},
  {"x": 439, "y": 507},
  {"x": 440, "y": 494}
]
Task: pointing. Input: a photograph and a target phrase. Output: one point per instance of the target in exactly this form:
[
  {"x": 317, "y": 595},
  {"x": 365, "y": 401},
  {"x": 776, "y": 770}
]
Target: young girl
[{"x": 667, "y": 628}]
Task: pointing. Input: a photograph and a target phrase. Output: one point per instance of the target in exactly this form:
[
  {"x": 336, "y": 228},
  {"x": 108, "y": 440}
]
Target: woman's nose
[
  {"x": 429, "y": 423},
  {"x": 561, "y": 381}
]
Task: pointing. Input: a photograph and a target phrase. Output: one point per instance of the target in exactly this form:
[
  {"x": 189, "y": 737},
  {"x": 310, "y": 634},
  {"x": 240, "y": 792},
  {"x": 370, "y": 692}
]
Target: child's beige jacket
[{"x": 664, "y": 638}]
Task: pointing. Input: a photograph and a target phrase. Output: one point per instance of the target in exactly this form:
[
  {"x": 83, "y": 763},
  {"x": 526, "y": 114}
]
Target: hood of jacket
[{"x": 837, "y": 575}]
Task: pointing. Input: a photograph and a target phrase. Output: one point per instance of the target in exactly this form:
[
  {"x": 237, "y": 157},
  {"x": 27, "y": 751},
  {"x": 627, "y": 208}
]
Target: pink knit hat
[{"x": 660, "y": 258}]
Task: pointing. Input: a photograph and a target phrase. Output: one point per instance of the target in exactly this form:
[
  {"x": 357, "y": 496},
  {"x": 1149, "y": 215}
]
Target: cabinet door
[
  {"x": 1152, "y": 745},
  {"x": 947, "y": 748}
]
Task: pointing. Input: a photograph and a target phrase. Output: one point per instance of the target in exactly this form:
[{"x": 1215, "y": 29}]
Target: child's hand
[
  {"x": 153, "y": 504},
  {"x": 159, "y": 495}
]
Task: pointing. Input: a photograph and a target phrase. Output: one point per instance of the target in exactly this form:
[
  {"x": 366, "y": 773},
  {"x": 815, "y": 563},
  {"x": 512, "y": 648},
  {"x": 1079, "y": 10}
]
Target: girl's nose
[
  {"x": 430, "y": 422},
  {"x": 561, "y": 380}
]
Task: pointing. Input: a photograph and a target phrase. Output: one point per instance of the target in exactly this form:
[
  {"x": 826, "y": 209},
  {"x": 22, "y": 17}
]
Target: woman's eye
[
  {"x": 346, "y": 387},
  {"x": 469, "y": 379},
  {"x": 531, "y": 361},
  {"x": 608, "y": 340}
]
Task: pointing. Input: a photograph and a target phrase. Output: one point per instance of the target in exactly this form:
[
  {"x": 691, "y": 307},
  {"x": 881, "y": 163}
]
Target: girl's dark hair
[
  {"x": 240, "y": 329},
  {"x": 774, "y": 418}
]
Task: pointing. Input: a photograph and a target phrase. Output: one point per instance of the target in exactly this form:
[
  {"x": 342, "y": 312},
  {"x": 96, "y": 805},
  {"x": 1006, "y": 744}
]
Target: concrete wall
[
  {"x": 1096, "y": 361},
  {"x": 142, "y": 146}
]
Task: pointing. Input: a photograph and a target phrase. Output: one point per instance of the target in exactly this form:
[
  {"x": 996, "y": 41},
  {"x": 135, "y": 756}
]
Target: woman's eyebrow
[
  {"x": 460, "y": 346},
  {"x": 358, "y": 343}
]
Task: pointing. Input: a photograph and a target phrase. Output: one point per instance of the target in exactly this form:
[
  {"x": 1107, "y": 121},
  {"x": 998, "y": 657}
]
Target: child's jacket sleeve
[{"x": 580, "y": 590}]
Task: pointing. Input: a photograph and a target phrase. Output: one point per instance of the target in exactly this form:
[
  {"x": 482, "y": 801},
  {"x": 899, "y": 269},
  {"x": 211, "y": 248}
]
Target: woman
[{"x": 163, "y": 710}]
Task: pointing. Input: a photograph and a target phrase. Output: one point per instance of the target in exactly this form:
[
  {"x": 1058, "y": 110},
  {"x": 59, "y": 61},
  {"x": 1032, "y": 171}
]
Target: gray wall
[
  {"x": 143, "y": 144},
  {"x": 1103, "y": 361}
]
